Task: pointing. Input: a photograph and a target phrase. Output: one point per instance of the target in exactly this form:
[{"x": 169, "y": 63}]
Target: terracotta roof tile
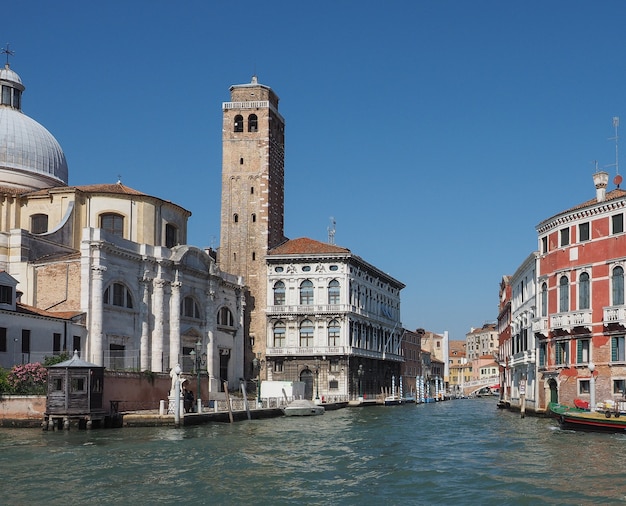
[
  {"x": 306, "y": 246},
  {"x": 117, "y": 188},
  {"x": 64, "y": 315}
]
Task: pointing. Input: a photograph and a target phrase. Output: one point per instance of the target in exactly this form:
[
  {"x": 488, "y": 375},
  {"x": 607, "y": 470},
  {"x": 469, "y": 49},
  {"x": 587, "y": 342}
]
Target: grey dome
[{"x": 30, "y": 156}]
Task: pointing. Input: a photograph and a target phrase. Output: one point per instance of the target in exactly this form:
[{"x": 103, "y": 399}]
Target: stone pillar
[
  {"x": 211, "y": 351},
  {"x": 144, "y": 317},
  {"x": 175, "y": 322},
  {"x": 97, "y": 303},
  {"x": 159, "y": 313}
]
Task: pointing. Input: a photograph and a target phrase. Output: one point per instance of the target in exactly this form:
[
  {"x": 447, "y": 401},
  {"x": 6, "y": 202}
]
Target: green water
[{"x": 456, "y": 452}]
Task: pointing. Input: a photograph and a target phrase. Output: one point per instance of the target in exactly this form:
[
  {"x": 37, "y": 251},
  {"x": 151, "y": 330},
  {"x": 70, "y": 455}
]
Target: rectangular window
[
  {"x": 583, "y": 387},
  {"x": 619, "y": 386},
  {"x": 544, "y": 244},
  {"x": 6, "y": 294},
  {"x": 564, "y": 236},
  {"x": 78, "y": 384},
  {"x": 171, "y": 236},
  {"x": 583, "y": 232},
  {"x": 56, "y": 344},
  {"x": 334, "y": 366},
  {"x": 333, "y": 385},
  {"x": 25, "y": 341},
  {"x": 279, "y": 366},
  {"x": 561, "y": 353},
  {"x": 76, "y": 344},
  {"x": 617, "y": 349},
  {"x": 58, "y": 384},
  {"x": 617, "y": 222},
  {"x": 6, "y": 95},
  {"x": 3, "y": 340},
  {"x": 582, "y": 351}
]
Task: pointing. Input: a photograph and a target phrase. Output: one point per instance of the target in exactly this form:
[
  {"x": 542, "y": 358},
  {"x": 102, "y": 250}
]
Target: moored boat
[
  {"x": 392, "y": 400},
  {"x": 581, "y": 419},
  {"x": 303, "y": 407}
]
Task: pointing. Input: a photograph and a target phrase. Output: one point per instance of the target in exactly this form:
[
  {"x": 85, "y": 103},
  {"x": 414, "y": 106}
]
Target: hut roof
[{"x": 75, "y": 361}]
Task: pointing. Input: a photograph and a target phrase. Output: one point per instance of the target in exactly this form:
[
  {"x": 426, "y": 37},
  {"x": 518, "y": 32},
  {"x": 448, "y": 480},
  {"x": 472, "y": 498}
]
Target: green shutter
[
  {"x": 614, "y": 349},
  {"x": 579, "y": 351}
]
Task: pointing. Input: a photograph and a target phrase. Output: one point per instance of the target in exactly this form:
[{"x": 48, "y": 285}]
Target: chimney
[{"x": 601, "y": 179}]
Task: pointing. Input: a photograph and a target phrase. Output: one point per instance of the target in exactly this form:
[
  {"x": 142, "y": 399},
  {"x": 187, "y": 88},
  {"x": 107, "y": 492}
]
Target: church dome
[{"x": 30, "y": 157}]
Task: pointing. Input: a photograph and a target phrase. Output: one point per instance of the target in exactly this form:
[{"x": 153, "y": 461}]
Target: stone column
[
  {"x": 211, "y": 351},
  {"x": 144, "y": 317},
  {"x": 157, "y": 334},
  {"x": 175, "y": 322},
  {"x": 97, "y": 302}
]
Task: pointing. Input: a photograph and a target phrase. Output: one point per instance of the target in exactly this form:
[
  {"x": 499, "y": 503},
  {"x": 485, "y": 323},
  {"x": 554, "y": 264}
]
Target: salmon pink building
[{"x": 580, "y": 319}]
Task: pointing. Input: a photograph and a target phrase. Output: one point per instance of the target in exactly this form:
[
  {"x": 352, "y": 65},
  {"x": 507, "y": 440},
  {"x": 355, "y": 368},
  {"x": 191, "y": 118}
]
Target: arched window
[
  {"x": 563, "y": 294},
  {"x": 225, "y": 317},
  {"x": 279, "y": 293},
  {"x": 333, "y": 292},
  {"x": 618, "y": 286},
  {"x": 583, "y": 291},
  {"x": 334, "y": 333},
  {"x": 235, "y": 218},
  {"x": 118, "y": 295},
  {"x": 544, "y": 299},
  {"x": 39, "y": 223},
  {"x": 238, "y": 123},
  {"x": 112, "y": 223},
  {"x": 279, "y": 335},
  {"x": 253, "y": 218},
  {"x": 253, "y": 123},
  {"x": 171, "y": 235},
  {"x": 306, "y": 293},
  {"x": 306, "y": 333},
  {"x": 189, "y": 308}
]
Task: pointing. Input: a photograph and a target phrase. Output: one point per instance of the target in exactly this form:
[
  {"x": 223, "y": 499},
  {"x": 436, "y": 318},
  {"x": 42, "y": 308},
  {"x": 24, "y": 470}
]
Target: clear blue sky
[{"x": 437, "y": 134}]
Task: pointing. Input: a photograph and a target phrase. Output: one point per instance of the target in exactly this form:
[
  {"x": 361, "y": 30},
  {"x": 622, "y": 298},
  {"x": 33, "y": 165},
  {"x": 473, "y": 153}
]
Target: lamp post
[
  {"x": 592, "y": 387},
  {"x": 360, "y": 373},
  {"x": 317, "y": 380}
]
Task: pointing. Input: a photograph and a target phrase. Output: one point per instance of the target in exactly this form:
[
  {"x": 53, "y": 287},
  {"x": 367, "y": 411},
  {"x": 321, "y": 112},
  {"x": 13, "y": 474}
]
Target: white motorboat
[{"x": 303, "y": 407}]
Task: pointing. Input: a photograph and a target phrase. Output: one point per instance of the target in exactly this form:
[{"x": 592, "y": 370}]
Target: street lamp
[
  {"x": 317, "y": 380},
  {"x": 361, "y": 372},
  {"x": 592, "y": 387}
]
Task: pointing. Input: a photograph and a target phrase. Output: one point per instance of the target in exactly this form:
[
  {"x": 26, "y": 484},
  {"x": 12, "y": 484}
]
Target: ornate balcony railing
[
  {"x": 567, "y": 321},
  {"x": 540, "y": 325},
  {"x": 614, "y": 315}
]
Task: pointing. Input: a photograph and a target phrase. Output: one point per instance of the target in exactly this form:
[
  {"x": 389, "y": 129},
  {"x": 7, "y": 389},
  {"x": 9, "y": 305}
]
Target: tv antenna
[
  {"x": 617, "y": 179},
  {"x": 331, "y": 231}
]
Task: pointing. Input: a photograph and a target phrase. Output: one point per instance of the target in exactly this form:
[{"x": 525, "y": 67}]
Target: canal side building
[{"x": 580, "y": 324}]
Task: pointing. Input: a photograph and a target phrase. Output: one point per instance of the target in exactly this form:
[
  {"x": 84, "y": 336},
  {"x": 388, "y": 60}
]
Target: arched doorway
[
  {"x": 306, "y": 377},
  {"x": 554, "y": 391}
]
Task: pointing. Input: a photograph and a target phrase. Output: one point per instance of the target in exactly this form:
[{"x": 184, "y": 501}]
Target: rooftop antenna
[
  {"x": 119, "y": 179},
  {"x": 617, "y": 179},
  {"x": 331, "y": 231},
  {"x": 8, "y": 52}
]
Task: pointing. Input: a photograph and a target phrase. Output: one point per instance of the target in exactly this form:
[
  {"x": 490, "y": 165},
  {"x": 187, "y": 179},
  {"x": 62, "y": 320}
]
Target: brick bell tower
[{"x": 253, "y": 197}]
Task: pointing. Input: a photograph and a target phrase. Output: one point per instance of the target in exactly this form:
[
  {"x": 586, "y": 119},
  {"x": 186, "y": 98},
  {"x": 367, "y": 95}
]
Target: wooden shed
[{"x": 74, "y": 394}]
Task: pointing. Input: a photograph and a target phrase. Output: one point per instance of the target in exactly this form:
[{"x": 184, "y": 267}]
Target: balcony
[
  {"x": 309, "y": 309},
  {"x": 331, "y": 351},
  {"x": 614, "y": 315},
  {"x": 522, "y": 358},
  {"x": 540, "y": 326},
  {"x": 570, "y": 320}
]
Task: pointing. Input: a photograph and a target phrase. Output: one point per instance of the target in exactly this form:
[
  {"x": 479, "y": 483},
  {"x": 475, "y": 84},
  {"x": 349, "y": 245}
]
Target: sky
[{"x": 436, "y": 134}]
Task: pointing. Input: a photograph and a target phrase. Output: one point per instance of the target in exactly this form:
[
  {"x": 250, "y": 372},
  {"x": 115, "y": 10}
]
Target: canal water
[{"x": 456, "y": 452}]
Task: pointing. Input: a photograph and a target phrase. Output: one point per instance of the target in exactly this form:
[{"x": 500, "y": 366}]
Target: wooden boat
[
  {"x": 303, "y": 407},
  {"x": 581, "y": 419},
  {"x": 392, "y": 400}
]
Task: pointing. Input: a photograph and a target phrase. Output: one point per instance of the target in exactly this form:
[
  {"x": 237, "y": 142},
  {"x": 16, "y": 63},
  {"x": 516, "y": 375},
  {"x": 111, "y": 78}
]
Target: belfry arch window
[
  {"x": 112, "y": 223},
  {"x": 617, "y": 286},
  {"x": 238, "y": 123},
  {"x": 225, "y": 318},
  {"x": 253, "y": 123},
  {"x": 189, "y": 308},
  {"x": 118, "y": 295},
  {"x": 39, "y": 223}
]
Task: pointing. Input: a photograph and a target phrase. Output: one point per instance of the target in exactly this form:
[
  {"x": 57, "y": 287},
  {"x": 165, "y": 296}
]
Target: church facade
[{"x": 115, "y": 255}]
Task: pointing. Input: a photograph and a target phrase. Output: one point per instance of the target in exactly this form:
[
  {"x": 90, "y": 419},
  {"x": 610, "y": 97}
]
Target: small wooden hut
[{"x": 74, "y": 394}]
